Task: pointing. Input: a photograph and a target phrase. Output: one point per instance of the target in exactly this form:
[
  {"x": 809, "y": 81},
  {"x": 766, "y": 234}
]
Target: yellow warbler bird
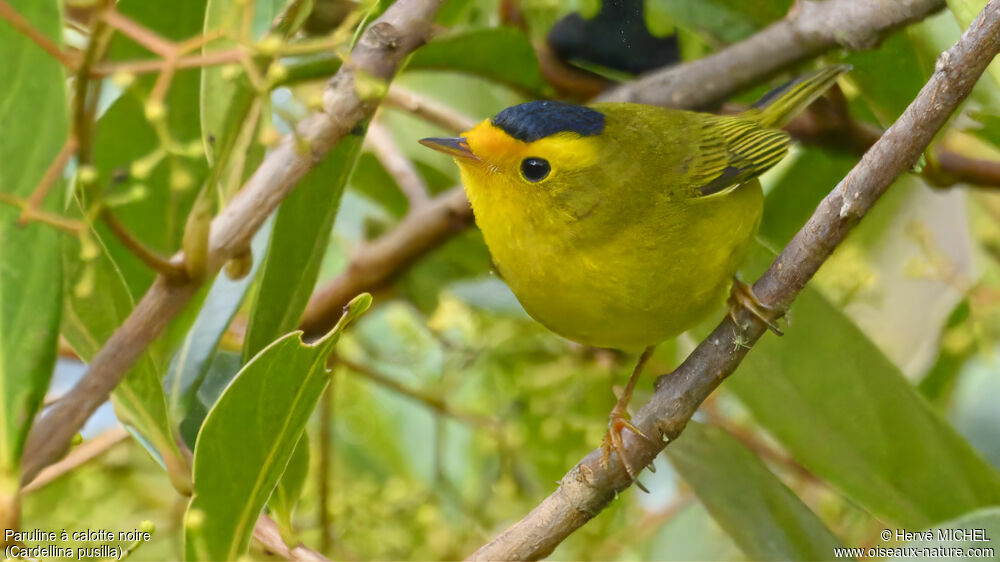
[{"x": 622, "y": 225}]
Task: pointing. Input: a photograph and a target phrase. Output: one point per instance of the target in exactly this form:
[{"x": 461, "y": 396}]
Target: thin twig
[
  {"x": 379, "y": 140},
  {"x": 38, "y": 215},
  {"x": 589, "y": 486},
  {"x": 169, "y": 269},
  {"x": 24, "y": 27},
  {"x": 428, "y": 109},
  {"x": 80, "y": 455},
  {"x": 399, "y": 30},
  {"x": 962, "y": 169},
  {"x": 52, "y": 173},
  {"x": 140, "y": 34},
  {"x": 829, "y": 123},
  {"x": 228, "y": 56},
  {"x": 432, "y": 402},
  {"x": 87, "y": 92}
]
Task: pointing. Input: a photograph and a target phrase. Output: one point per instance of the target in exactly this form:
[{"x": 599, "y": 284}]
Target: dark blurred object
[
  {"x": 326, "y": 15},
  {"x": 617, "y": 38}
]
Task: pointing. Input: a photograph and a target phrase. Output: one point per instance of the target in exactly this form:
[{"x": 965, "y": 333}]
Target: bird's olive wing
[{"x": 733, "y": 151}]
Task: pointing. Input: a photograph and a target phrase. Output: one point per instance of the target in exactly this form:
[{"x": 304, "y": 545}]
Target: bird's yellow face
[{"x": 542, "y": 179}]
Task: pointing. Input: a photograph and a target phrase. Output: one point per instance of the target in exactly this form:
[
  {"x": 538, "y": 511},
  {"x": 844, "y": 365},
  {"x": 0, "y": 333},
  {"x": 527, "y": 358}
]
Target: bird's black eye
[{"x": 535, "y": 169}]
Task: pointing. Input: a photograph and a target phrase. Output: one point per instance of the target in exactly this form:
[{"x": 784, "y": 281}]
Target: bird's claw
[
  {"x": 618, "y": 420},
  {"x": 742, "y": 295}
]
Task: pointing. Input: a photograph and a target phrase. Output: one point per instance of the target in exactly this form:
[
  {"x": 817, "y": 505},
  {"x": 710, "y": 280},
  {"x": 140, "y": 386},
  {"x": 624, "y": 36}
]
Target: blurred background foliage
[{"x": 449, "y": 412}]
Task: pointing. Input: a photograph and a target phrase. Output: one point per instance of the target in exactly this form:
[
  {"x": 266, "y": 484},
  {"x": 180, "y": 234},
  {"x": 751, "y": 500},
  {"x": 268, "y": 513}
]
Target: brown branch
[
  {"x": 140, "y": 34},
  {"x": 569, "y": 81},
  {"x": 810, "y": 29},
  {"x": 228, "y": 56},
  {"x": 828, "y": 122},
  {"x": 80, "y": 455},
  {"x": 949, "y": 167},
  {"x": 377, "y": 263},
  {"x": 395, "y": 34},
  {"x": 429, "y": 110},
  {"x": 173, "y": 271},
  {"x": 52, "y": 173},
  {"x": 432, "y": 402},
  {"x": 403, "y": 171},
  {"x": 24, "y": 27},
  {"x": 29, "y": 214},
  {"x": 589, "y": 487}
]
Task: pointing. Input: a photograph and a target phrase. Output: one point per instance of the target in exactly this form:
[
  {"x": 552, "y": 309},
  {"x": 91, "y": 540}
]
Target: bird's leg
[
  {"x": 742, "y": 295},
  {"x": 619, "y": 420}
]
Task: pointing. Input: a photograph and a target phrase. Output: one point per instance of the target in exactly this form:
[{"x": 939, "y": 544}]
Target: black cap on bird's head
[
  {"x": 527, "y": 123},
  {"x": 535, "y": 120}
]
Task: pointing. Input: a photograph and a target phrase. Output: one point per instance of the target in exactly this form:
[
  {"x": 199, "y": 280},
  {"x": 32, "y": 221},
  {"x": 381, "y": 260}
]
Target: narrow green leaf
[
  {"x": 843, "y": 410},
  {"x": 888, "y": 78},
  {"x": 33, "y": 113},
  {"x": 502, "y": 54},
  {"x": 199, "y": 346},
  {"x": 289, "y": 489},
  {"x": 760, "y": 513},
  {"x": 249, "y": 436},
  {"x": 301, "y": 234},
  {"x": 97, "y": 302}
]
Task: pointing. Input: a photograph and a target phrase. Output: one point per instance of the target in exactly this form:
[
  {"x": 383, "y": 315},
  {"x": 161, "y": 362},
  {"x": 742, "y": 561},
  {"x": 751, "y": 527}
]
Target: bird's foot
[
  {"x": 742, "y": 295},
  {"x": 618, "y": 421}
]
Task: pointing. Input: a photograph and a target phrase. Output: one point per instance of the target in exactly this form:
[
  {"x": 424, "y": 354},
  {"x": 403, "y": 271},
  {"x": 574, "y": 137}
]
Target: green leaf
[
  {"x": 888, "y": 78},
  {"x": 843, "y": 410},
  {"x": 760, "y": 513},
  {"x": 501, "y": 54},
  {"x": 249, "y": 436},
  {"x": 33, "y": 113},
  {"x": 978, "y": 536},
  {"x": 724, "y": 21},
  {"x": 97, "y": 302},
  {"x": 973, "y": 409},
  {"x": 691, "y": 534},
  {"x": 196, "y": 351},
  {"x": 301, "y": 234},
  {"x": 965, "y": 11},
  {"x": 289, "y": 489}
]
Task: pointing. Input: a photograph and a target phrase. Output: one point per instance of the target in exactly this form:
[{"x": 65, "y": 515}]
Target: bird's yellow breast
[{"x": 603, "y": 255}]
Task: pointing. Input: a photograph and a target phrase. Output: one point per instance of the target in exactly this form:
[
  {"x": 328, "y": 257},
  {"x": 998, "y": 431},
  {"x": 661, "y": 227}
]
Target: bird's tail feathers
[{"x": 783, "y": 103}]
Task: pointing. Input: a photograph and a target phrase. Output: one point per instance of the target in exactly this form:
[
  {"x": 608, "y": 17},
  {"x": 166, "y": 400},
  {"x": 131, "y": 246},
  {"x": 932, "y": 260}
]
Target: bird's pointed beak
[{"x": 452, "y": 146}]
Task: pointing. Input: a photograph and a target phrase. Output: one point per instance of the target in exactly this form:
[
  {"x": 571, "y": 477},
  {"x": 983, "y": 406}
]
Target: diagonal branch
[
  {"x": 810, "y": 29},
  {"x": 399, "y": 166},
  {"x": 588, "y": 487},
  {"x": 381, "y": 48}
]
